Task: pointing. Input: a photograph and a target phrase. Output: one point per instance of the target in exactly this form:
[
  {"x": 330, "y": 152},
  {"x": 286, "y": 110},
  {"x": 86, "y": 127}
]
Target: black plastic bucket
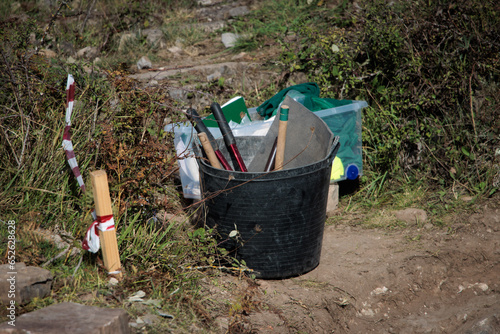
[{"x": 279, "y": 216}]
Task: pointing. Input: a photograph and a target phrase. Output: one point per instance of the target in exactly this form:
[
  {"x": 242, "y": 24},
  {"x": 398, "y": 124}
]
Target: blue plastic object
[{"x": 352, "y": 172}]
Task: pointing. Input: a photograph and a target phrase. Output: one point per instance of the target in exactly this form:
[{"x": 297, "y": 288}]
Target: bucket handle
[{"x": 334, "y": 149}]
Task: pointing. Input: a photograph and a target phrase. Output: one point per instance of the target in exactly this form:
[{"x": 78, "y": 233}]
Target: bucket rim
[{"x": 273, "y": 175}]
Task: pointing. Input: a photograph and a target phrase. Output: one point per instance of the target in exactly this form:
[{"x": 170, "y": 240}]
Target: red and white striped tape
[
  {"x": 66, "y": 144},
  {"x": 91, "y": 241},
  {"x": 105, "y": 223}
]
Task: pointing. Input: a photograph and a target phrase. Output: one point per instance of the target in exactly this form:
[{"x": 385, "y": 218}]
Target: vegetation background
[{"x": 429, "y": 70}]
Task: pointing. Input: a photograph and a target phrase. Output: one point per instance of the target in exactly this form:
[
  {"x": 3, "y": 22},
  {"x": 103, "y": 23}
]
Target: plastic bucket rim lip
[{"x": 262, "y": 176}]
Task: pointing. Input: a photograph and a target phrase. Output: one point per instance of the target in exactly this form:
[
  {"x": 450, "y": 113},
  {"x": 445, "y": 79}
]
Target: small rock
[
  {"x": 144, "y": 63},
  {"x": 135, "y": 325},
  {"x": 211, "y": 26},
  {"x": 179, "y": 42},
  {"x": 154, "y": 37},
  {"x": 412, "y": 216},
  {"x": 112, "y": 282},
  {"x": 488, "y": 325},
  {"x": 137, "y": 297},
  {"x": 482, "y": 286},
  {"x": 177, "y": 93},
  {"x": 214, "y": 76},
  {"x": 379, "y": 291},
  {"x": 239, "y": 11},
  {"x": 48, "y": 53},
  {"x": 175, "y": 50},
  {"x": 89, "y": 53},
  {"x": 462, "y": 317},
  {"x": 27, "y": 282},
  {"x": 428, "y": 226},
  {"x": 70, "y": 60},
  {"x": 466, "y": 198},
  {"x": 367, "y": 312},
  {"x": 151, "y": 319},
  {"x": 70, "y": 318},
  {"x": 153, "y": 83},
  {"x": 229, "y": 39}
]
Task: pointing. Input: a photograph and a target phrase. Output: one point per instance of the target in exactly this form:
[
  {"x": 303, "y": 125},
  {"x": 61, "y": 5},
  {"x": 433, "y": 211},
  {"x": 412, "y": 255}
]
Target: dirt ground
[
  {"x": 413, "y": 280},
  {"x": 416, "y": 280}
]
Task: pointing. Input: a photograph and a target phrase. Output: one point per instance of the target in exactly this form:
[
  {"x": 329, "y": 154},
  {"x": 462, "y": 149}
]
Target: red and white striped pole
[{"x": 66, "y": 144}]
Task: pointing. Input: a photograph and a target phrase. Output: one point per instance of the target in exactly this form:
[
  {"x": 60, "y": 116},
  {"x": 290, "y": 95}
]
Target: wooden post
[{"x": 108, "y": 241}]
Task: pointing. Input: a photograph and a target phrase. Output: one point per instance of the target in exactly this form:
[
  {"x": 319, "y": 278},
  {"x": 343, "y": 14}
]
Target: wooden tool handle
[
  {"x": 102, "y": 202},
  {"x": 280, "y": 147},
  {"x": 209, "y": 151}
]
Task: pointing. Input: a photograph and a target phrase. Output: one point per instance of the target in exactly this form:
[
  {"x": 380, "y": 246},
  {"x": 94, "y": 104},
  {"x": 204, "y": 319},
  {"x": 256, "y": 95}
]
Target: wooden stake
[
  {"x": 280, "y": 147},
  {"x": 102, "y": 202},
  {"x": 209, "y": 150}
]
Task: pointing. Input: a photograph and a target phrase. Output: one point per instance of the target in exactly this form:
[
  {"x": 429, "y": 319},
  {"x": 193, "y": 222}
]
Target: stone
[
  {"x": 89, "y": 53},
  {"x": 214, "y": 76},
  {"x": 487, "y": 325},
  {"x": 412, "y": 216},
  {"x": 144, "y": 63},
  {"x": 238, "y": 11},
  {"x": 210, "y": 26},
  {"x": 70, "y": 318},
  {"x": 229, "y": 39},
  {"x": 30, "y": 282},
  {"x": 55, "y": 238},
  {"x": 151, "y": 319},
  {"x": 124, "y": 40},
  {"x": 154, "y": 37},
  {"x": 333, "y": 199},
  {"x": 47, "y": 53},
  {"x": 175, "y": 50}
]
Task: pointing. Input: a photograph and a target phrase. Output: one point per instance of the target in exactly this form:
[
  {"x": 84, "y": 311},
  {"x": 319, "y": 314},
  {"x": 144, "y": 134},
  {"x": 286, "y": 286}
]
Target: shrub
[{"x": 429, "y": 71}]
